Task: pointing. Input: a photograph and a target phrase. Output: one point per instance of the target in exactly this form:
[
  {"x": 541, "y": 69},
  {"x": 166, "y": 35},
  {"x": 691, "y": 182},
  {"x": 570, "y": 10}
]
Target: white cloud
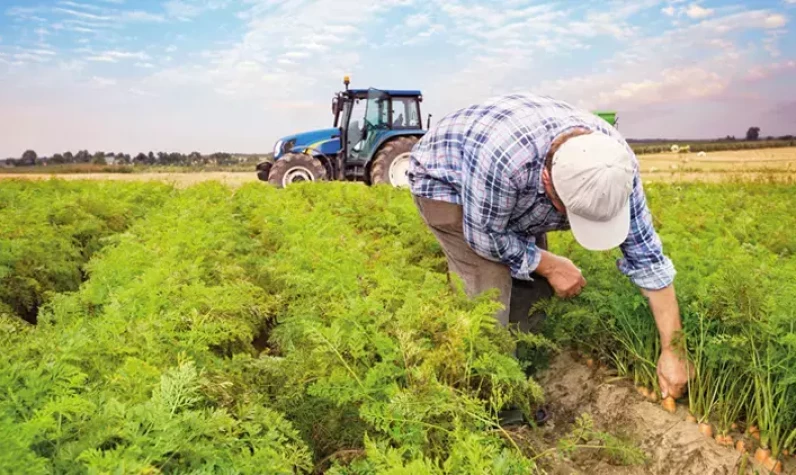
[
  {"x": 145, "y": 65},
  {"x": 141, "y": 16},
  {"x": 187, "y": 9},
  {"x": 102, "y": 82},
  {"x": 86, "y": 15},
  {"x": 668, "y": 11},
  {"x": 171, "y": 49},
  {"x": 760, "y": 72},
  {"x": 114, "y": 56},
  {"x": 141, "y": 92},
  {"x": 697, "y": 12}
]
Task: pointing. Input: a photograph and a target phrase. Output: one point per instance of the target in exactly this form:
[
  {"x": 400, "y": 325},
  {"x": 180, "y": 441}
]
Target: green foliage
[
  {"x": 734, "y": 252},
  {"x": 259, "y": 332},
  {"x": 49, "y": 230}
]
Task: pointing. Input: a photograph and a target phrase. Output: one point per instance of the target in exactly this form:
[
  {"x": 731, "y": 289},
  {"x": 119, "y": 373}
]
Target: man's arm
[
  {"x": 653, "y": 272},
  {"x": 488, "y": 199}
]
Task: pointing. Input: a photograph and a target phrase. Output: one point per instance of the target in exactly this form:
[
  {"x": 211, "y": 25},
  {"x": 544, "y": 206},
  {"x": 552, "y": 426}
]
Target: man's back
[{"x": 516, "y": 128}]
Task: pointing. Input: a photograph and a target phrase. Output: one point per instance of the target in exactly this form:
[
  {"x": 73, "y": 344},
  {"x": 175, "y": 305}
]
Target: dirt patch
[{"x": 672, "y": 445}]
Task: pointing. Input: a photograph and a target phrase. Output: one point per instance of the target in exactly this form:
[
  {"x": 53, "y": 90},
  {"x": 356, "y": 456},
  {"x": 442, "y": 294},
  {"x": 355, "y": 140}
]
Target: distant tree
[
  {"x": 82, "y": 156},
  {"x": 58, "y": 159},
  {"x": 68, "y": 157},
  {"x": 29, "y": 158},
  {"x": 99, "y": 158},
  {"x": 753, "y": 133},
  {"x": 141, "y": 159}
]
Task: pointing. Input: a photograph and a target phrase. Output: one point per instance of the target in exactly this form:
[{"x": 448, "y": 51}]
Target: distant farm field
[{"x": 767, "y": 163}]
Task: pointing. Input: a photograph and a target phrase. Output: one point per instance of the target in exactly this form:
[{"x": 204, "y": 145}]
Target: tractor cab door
[{"x": 364, "y": 131}]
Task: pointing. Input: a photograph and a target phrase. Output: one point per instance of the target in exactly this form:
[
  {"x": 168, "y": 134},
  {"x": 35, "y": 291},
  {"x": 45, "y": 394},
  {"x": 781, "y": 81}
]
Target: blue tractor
[{"x": 373, "y": 135}]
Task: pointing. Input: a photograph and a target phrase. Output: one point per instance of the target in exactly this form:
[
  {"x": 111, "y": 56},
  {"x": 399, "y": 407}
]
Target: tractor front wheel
[
  {"x": 392, "y": 163},
  {"x": 295, "y": 168}
]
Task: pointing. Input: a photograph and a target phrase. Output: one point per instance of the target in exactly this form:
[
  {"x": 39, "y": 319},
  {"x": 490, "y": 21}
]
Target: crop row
[
  {"x": 736, "y": 258},
  {"x": 313, "y": 328},
  {"x": 48, "y": 232},
  {"x": 265, "y": 331}
]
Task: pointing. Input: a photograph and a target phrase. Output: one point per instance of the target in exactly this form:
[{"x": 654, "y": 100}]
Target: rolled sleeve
[
  {"x": 489, "y": 196},
  {"x": 644, "y": 261}
]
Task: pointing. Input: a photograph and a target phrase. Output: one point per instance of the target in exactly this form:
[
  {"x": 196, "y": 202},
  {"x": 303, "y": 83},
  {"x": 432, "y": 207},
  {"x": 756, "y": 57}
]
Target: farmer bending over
[{"x": 491, "y": 179}]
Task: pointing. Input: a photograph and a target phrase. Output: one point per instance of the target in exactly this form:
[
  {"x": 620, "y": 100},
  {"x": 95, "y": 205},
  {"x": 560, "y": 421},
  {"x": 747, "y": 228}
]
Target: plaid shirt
[{"x": 489, "y": 159}]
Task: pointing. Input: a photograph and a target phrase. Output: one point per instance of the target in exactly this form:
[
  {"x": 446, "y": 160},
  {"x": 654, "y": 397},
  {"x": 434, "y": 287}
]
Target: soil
[{"x": 672, "y": 445}]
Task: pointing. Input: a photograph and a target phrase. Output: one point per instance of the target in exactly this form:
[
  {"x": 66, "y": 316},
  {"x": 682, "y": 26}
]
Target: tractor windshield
[{"x": 377, "y": 114}]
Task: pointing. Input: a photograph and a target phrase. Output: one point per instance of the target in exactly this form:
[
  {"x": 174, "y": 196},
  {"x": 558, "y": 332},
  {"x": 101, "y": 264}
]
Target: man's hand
[
  {"x": 565, "y": 278},
  {"x": 673, "y": 370},
  {"x": 673, "y": 374}
]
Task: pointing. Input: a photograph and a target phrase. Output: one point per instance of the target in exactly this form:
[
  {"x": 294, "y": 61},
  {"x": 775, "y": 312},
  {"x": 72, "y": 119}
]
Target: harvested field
[{"x": 768, "y": 164}]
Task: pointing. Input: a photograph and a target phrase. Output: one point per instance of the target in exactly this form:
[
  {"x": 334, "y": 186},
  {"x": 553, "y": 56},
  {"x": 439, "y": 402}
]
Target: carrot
[
  {"x": 740, "y": 446},
  {"x": 752, "y": 429},
  {"x": 643, "y": 391},
  {"x": 773, "y": 465},
  {"x": 653, "y": 396},
  {"x": 690, "y": 418},
  {"x": 706, "y": 429},
  {"x": 734, "y": 426},
  {"x": 724, "y": 440},
  {"x": 669, "y": 404},
  {"x": 761, "y": 455},
  {"x": 590, "y": 363}
]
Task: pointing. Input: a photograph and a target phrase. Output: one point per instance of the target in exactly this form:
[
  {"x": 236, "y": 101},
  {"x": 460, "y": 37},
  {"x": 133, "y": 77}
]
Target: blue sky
[{"x": 209, "y": 75}]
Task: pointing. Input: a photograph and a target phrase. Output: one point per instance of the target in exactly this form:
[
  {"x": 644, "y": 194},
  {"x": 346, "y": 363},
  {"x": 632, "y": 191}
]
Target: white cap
[{"x": 593, "y": 176}]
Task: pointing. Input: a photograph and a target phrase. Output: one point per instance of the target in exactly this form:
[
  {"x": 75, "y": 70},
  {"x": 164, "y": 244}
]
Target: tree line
[{"x": 30, "y": 159}]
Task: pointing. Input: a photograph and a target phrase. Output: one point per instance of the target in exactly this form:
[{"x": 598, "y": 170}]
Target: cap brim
[{"x": 601, "y": 235}]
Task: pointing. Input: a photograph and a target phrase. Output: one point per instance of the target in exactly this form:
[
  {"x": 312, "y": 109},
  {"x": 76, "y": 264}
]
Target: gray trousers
[{"x": 479, "y": 274}]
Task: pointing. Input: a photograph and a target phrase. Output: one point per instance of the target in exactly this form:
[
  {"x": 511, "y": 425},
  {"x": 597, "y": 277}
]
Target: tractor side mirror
[{"x": 335, "y": 106}]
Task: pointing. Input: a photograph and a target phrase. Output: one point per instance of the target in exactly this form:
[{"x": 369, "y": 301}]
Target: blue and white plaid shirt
[{"x": 489, "y": 159}]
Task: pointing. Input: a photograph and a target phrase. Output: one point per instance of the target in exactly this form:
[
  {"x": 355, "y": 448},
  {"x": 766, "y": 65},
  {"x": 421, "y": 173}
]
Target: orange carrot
[
  {"x": 590, "y": 363},
  {"x": 734, "y": 426},
  {"x": 724, "y": 440},
  {"x": 740, "y": 446},
  {"x": 773, "y": 465},
  {"x": 690, "y": 418},
  {"x": 643, "y": 391},
  {"x": 669, "y": 404},
  {"x": 653, "y": 396},
  {"x": 706, "y": 429},
  {"x": 761, "y": 455}
]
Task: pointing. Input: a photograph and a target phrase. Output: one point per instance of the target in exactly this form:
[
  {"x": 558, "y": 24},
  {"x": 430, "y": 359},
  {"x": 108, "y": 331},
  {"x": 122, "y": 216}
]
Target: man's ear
[{"x": 547, "y": 180}]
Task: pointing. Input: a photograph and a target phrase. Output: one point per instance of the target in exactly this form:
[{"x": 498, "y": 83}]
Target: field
[
  {"x": 197, "y": 327},
  {"x": 768, "y": 163}
]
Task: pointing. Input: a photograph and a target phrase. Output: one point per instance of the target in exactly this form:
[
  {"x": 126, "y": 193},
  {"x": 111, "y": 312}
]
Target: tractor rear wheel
[
  {"x": 295, "y": 168},
  {"x": 392, "y": 163}
]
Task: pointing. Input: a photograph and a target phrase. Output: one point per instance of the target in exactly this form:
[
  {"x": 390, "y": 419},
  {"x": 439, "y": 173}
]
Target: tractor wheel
[
  {"x": 294, "y": 168},
  {"x": 392, "y": 163}
]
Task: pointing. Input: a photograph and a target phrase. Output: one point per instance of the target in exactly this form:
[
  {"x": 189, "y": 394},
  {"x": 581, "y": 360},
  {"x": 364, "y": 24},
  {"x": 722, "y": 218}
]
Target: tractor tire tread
[
  {"x": 281, "y": 167},
  {"x": 379, "y": 172}
]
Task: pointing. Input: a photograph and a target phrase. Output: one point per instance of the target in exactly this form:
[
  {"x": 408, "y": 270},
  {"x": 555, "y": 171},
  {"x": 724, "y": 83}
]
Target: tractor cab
[{"x": 369, "y": 118}]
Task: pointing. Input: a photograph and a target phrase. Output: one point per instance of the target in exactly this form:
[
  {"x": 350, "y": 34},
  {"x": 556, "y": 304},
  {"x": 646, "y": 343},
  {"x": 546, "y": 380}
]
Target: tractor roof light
[{"x": 346, "y": 81}]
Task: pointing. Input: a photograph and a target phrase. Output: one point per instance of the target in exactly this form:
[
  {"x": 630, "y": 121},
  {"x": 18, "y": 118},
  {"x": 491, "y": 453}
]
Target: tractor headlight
[{"x": 277, "y": 147}]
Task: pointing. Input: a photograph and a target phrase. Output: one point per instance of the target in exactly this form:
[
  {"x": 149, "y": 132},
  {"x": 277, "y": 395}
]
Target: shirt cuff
[
  {"x": 529, "y": 263},
  {"x": 653, "y": 277}
]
